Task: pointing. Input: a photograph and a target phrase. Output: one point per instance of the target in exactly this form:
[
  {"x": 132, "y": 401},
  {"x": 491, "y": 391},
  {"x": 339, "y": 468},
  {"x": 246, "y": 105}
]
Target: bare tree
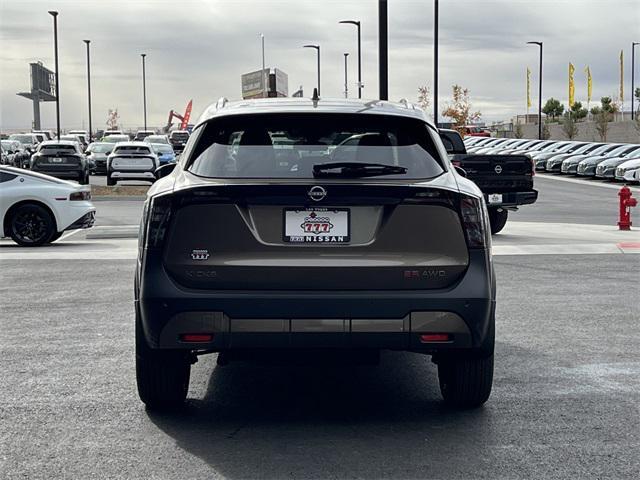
[
  {"x": 602, "y": 119},
  {"x": 424, "y": 97},
  {"x": 459, "y": 110},
  {"x": 518, "y": 131}
]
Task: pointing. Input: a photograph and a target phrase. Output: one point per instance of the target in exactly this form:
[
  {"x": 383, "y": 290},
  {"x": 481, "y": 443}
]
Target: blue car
[{"x": 164, "y": 152}]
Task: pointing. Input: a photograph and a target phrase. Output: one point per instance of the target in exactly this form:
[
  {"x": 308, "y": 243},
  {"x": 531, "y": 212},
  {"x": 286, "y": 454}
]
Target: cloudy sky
[{"x": 197, "y": 49}]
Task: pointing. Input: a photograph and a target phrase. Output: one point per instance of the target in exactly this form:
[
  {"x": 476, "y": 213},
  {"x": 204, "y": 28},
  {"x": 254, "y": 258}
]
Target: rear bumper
[
  {"x": 514, "y": 199},
  {"x": 392, "y": 319},
  {"x": 71, "y": 174}
]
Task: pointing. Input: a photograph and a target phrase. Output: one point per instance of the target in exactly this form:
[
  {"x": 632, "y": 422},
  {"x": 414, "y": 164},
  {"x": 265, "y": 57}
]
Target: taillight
[
  {"x": 84, "y": 195},
  {"x": 159, "y": 214},
  {"x": 475, "y": 220}
]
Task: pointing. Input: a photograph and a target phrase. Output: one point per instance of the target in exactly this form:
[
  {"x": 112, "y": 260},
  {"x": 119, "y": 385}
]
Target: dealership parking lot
[{"x": 564, "y": 404}]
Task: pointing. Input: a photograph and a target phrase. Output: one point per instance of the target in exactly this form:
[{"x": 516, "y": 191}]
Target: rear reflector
[
  {"x": 196, "y": 337},
  {"x": 435, "y": 337}
]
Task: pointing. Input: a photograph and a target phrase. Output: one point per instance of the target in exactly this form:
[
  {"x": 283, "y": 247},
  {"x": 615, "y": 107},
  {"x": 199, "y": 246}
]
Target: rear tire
[
  {"x": 31, "y": 225},
  {"x": 110, "y": 181},
  {"x": 162, "y": 375},
  {"x": 466, "y": 382},
  {"x": 497, "y": 219}
]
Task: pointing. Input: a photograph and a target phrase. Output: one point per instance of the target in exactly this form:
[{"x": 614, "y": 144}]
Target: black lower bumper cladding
[{"x": 85, "y": 221}]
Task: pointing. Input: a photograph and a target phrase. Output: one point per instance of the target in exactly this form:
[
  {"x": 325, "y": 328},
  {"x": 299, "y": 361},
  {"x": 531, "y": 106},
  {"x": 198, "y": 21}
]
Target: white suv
[{"x": 131, "y": 161}]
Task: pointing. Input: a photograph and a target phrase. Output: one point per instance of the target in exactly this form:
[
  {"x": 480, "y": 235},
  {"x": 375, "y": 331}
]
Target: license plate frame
[{"x": 338, "y": 218}]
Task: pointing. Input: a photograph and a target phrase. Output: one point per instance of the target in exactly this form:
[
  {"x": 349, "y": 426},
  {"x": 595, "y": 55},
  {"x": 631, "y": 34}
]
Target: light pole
[
  {"x": 383, "y": 49},
  {"x": 435, "y": 62},
  {"x": 89, "y": 84},
  {"x": 54, "y": 14},
  {"x": 265, "y": 80},
  {"x": 357, "y": 24},
  {"x": 539, "y": 90},
  {"x": 346, "y": 81},
  {"x": 144, "y": 89},
  {"x": 633, "y": 77},
  {"x": 317, "y": 47}
]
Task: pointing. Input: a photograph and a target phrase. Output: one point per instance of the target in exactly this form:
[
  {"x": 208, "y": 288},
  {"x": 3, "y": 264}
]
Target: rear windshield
[
  {"x": 136, "y": 150},
  {"x": 116, "y": 138},
  {"x": 156, "y": 139},
  {"x": 101, "y": 148},
  {"x": 22, "y": 138},
  {"x": 161, "y": 148},
  {"x": 181, "y": 136},
  {"x": 290, "y": 145},
  {"x": 54, "y": 149}
]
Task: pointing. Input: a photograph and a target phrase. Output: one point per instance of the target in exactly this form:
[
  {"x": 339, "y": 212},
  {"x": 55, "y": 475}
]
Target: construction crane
[{"x": 183, "y": 118}]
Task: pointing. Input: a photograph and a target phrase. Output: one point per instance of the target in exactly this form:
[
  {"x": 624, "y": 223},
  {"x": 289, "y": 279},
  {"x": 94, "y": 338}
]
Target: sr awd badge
[{"x": 199, "y": 254}]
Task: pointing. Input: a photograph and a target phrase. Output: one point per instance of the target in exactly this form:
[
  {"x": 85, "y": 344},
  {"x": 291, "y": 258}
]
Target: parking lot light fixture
[
  {"x": 54, "y": 14},
  {"x": 87, "y": 42},
  {"x": 317, "y": 48},
  {"x": 633, "y": 77},
  {"x": 539, "y": 90},
  {"x": 357, "y": 24},
  {"x": 144, "y": 88}
]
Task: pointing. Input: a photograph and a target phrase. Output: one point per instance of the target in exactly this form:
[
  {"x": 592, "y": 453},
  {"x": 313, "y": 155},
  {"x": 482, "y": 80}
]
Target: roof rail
[{"x": 221, "y": 103}]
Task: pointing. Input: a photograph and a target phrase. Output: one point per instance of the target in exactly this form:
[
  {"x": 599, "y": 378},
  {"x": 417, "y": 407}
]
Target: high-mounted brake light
[{"x": 475, "y": 221}]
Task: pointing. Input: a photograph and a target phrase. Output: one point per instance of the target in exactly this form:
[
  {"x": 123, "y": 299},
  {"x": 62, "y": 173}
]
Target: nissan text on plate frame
[{"x": 294, "y": 225}]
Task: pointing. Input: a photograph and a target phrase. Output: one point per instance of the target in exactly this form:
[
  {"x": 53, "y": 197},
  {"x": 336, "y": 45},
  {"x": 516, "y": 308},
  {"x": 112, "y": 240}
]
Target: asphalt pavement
[{"x": 564, "y": 404}]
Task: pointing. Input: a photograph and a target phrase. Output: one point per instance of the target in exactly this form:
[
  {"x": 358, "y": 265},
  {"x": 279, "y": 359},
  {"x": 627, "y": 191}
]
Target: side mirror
[
  {"x": 165, "y": 170},
  {"x": 453, "y": 142}
]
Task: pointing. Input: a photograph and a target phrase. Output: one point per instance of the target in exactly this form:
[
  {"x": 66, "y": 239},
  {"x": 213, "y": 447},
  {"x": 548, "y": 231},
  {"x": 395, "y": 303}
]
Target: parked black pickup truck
[{"x": 506, "y": 180}]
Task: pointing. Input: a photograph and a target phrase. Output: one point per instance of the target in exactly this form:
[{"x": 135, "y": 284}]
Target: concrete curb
[{"x": 103, "y": 198}]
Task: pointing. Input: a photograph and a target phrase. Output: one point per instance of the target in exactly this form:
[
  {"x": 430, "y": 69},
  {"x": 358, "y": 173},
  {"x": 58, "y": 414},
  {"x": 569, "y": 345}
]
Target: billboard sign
[
  {"x": 282, "y": 83},
  {"x": 43, "y": 81},
  {"x": 253, "y": 84}
]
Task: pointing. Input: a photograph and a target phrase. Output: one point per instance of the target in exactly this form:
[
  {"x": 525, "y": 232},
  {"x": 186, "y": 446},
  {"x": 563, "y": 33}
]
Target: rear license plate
[
  {"x": 495, "y": 198},
  {"x": 57, "y": 160},
  {"x": 316, "y": 225}
]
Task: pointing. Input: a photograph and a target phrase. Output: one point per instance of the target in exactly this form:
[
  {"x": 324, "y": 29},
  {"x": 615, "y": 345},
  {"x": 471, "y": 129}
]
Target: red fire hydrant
[{"x": 626, "y": 202}]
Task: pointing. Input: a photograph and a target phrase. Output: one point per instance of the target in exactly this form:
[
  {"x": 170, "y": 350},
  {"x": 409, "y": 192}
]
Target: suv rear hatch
[
  {"x": 274, "y": 237},
  {"x": 312, "y": 201},
  {"x": 58, "y": 157}
]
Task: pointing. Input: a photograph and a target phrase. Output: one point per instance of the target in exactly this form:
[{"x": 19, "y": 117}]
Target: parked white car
[
  {"x": 132, "y": 161},
  {"x": 632, "y": 175},
  {"x": 36, "y": 209},
  {"x": 632, "y": 164}
]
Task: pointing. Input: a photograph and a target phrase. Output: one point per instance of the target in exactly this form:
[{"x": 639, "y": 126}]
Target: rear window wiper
[{"x": 355, "y": 170}]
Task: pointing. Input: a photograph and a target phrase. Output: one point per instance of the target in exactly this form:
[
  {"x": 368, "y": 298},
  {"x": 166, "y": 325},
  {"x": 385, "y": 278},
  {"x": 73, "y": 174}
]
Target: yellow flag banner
[
  {"x": 589, "y": 84},
  {"x": 528, "y": 88},
  {"x": 622, "y": 76},
  {"x": 572, "y": 87}
]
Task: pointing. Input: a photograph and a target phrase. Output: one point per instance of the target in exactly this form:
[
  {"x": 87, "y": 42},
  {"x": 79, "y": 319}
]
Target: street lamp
[
  {"x": 265, "y": 81},
  {"x": 633, "y": 77},
  {"x": 539, "y": 90},
  {"x": 54, "y": 14},
  {"x": 317, "y": 47},
  {"x": 435, "y": 62},
  {"x": 357, "y": 24},
  {"x": 144, "y": 89},
  {"x": 346, "y": 81},
  {"x": 89, "y": 84}
]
